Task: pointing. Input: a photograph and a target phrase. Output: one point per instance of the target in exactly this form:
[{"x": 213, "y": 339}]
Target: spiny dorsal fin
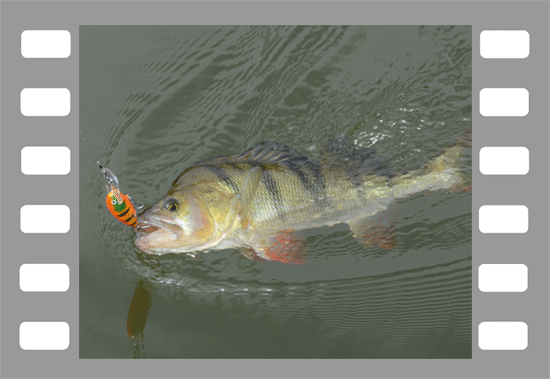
[
  {"x": 341, "y": 151},
  {"x": 247, "y": 194},
  {"x": 264, "y": 152}
]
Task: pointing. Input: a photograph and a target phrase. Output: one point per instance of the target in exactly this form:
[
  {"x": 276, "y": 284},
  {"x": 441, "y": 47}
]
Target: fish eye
[{"x": 171, "y": 204}]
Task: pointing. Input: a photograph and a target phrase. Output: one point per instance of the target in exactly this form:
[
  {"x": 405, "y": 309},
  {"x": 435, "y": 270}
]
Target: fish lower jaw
[
  {"x": 163, "y": 251},
  {"x": 216, "y": 245}
]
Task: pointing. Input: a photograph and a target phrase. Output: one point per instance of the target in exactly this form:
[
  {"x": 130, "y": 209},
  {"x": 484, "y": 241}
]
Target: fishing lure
[{"x": 121, "y": 206}]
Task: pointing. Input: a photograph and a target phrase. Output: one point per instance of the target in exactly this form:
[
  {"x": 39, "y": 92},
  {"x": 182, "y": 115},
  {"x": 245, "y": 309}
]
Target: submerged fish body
[{"x": 256, "y": 200}]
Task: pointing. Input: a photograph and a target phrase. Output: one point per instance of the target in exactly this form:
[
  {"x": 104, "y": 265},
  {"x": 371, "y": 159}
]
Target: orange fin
[
  {"x": 373, "y": 233},
  {"x": 465, "y": 139},
  {"x": 285, "y": 247},
  {"x": 463, "y": 188}
]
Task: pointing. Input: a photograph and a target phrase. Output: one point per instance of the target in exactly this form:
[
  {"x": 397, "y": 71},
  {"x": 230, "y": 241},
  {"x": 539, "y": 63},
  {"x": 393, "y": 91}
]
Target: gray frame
[{"x": 532, "y": 190}]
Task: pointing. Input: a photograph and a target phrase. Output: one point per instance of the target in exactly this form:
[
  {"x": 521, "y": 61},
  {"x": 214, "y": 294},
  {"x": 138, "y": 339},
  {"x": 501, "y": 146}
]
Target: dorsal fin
[
  {"x": 263, "y": 152},
  {"x": 341, "y": 151}
]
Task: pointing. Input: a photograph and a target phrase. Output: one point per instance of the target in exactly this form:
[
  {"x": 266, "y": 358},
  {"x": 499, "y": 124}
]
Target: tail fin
[
  {"x": 455, "y": 161},
  {"x": 451, "y": 170}
]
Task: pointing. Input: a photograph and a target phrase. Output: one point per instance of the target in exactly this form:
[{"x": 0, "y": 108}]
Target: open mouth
[
  {"x": 146, "y": 227},
  {"x": 151, "y": 224}
]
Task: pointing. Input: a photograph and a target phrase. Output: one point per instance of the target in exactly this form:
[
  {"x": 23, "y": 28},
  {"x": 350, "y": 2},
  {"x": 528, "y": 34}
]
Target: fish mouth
[
  {"x": 154, "y": 232},
  {"x": 152, "y": 224},
  {"x": 146, "y": 227}
]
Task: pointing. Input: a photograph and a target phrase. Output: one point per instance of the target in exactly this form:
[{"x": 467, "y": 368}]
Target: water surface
[{"x": 155, "y": 100}]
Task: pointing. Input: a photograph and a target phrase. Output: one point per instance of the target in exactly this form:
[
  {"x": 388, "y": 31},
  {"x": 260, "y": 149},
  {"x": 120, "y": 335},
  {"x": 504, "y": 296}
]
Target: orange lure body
[
  {"x": 121, "y": 206},
  {"x": 124, "y": 211}
]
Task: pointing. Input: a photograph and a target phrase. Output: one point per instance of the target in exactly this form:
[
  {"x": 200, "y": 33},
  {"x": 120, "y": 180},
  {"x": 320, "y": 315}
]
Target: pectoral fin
[
  {"x": 284, "y": 247},
  {"x": 247, "y": 194},
  {"x": 372, "y": 232}
]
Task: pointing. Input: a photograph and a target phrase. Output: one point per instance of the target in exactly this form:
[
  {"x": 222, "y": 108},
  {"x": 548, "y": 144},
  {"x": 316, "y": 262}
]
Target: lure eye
[
  {"x": 113, "y": 201},
  {"x": 171, "y": 204}
]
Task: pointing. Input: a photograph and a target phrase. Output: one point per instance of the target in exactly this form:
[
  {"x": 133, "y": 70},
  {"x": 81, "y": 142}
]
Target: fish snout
[{"x": 157, "y": 233}]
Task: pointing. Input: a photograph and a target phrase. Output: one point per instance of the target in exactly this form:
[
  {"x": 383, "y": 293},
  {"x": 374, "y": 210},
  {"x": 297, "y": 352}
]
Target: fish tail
[
  {"x": 450, "y": 171},
  {"x": 454, "y": 163}
]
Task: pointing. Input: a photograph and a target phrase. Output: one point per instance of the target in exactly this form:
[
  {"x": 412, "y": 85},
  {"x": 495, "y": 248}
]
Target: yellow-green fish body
[{"x": 256, "y": 199}]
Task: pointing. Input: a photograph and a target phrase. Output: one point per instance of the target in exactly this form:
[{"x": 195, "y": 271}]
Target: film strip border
[
  {"x": 498, "y": 277},
  {"x": 493, "y": 218},
  {"x": 45, "y": 105}
]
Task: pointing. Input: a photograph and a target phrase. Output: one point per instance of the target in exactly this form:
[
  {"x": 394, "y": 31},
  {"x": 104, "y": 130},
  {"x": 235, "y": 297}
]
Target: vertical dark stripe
[
  {"x": 314, "y": 182},
  {"x": 320, "y": 182},
  {"x": 297, "y": 170},
  {"x": 224, "y": 176},
  {"x": 273, "y": 189},
  {"x": 356, "y": 179}
]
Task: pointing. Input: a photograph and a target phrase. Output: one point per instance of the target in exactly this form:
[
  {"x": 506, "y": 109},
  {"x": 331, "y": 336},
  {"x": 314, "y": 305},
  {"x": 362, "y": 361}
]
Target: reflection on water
[{"x": 155, "y": 100}]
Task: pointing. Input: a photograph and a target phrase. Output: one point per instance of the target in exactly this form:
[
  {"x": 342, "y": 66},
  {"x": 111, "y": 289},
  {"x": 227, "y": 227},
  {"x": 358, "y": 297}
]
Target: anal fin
[
  {"x": 284, "y": 247},
  {"x": 461, "y": 187},
  {"x": 373, "y": 232}
]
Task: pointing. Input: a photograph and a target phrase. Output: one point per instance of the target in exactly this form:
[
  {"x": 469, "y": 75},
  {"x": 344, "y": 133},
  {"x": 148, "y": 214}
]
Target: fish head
[{"x": 180, "y": 222}]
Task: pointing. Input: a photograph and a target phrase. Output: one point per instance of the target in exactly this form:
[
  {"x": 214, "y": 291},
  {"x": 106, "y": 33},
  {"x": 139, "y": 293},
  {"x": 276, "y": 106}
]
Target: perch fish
[{"x": 257, "y": 200}]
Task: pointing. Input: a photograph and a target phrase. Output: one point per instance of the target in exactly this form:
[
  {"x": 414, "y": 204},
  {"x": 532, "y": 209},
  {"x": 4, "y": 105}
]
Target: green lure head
[{"x": 118, "y": 204}]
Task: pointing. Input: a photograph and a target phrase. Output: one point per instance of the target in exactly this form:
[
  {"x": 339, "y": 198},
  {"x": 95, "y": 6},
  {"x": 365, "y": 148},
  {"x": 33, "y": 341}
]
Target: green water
[{"x": 155, "y": 100}]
